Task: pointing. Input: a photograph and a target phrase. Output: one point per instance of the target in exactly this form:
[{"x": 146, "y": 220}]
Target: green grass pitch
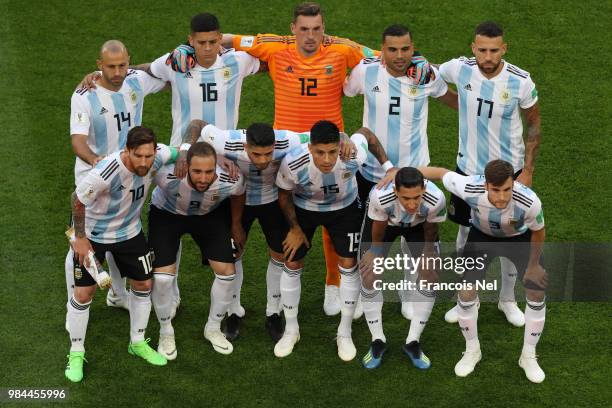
[{"x": 45, "y": 49}]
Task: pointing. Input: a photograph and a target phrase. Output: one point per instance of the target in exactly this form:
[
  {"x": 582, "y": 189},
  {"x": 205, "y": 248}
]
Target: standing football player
[
  {"x": 99, "y": 123},
  {"x": 493, "y": 94},
  {"x": 396, "y": 109}
]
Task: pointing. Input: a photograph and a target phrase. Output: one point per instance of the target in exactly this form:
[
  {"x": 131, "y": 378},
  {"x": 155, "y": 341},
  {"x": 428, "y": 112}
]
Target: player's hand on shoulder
[
  {"x": 347, "y": 147},
  {"x": 525, "y": 178},
  {"x": 180, "y": 167},
  {"x": 229, "y": 166},
  {"x": 294, "y": 240},
  {"x": 388, "y": 178},
  {"x": 420, "y": 70},
  {"x": 182, "y": 58},
  {"x": 89, "y": 81}
]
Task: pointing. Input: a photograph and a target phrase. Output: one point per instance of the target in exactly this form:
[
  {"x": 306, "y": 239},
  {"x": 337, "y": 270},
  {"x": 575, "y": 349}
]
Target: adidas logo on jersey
[
  {"x": 468, "y": 87},
  {"x": 121, "y": 188},
  {"x": 103, "y": 110},
  {"x": 188, "y": 75},
  {"x": 376, "y": 89},
  {"x": 290, "y": 69}
]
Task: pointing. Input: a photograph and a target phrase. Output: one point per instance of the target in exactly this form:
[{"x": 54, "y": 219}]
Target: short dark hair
[
  {"x": 396, "y": 30},
  {"x": 260, "y": 134},
  {"x": 324, "y": 132},
  {"x": 138, "y": 136},
  {"x": 489, "y": 29},
  {"x": 201, "y": 149},
  {"x": 409, "y": 177},
  {"x": 307, "y": 9},
  {"x": 498, "y": 171},
  {"x": 204, "y": 23}
]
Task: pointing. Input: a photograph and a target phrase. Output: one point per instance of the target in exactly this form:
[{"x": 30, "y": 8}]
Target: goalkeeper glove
[{"x": 182, "y": 58}]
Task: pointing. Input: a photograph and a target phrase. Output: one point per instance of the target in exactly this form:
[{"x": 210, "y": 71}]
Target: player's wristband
[
  {"x": 387, "y": 165},
  {"x": 184, "y": 146}
]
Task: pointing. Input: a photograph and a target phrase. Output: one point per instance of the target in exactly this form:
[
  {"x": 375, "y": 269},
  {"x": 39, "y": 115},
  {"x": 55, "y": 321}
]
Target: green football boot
[
  {"x": 74, "y": 369},
  {"x": 143, "y": 350}
]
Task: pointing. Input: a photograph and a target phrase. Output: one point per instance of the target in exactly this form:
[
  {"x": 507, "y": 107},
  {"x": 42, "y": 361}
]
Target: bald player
[{"x": 99, "y": 123}]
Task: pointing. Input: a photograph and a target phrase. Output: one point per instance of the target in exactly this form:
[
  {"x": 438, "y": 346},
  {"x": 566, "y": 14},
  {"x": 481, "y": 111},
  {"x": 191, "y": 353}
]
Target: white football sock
[
  {"x": 372, "y": 303},
  {"x": 535, "y": 315},
  {"x": 468, "y": 323},
  {"x": 291, "y": 288},
  {"x": 462, "y": 236},
  {"x": 118, "y": 281},
  {"x": 69, "y": 271},
  {"x": 140, "y": 309},
  {"x": 161, "y": 296},
  {"x": 235, "y": 307},
  {"x": 422, "y": 304},
  {"x": 176, "y": 295},
  {"x": 273, "y": 279},
  {"x": 508, "y": 280},
  {"x": 220, "y": 298},
  {"x": 78, "y": 317},
  {"x": 350, "y": 283}
]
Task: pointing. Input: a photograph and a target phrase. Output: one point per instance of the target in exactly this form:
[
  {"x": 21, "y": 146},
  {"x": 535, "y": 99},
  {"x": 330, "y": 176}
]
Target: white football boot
[{"x": 285, "y": 345}]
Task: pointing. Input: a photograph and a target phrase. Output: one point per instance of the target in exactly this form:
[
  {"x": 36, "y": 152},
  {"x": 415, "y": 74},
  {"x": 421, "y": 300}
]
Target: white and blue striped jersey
[
  {"x": 396, "y": 110},
  {"x": 210, "y": 94},
  {"x": 113, "y": 197},
  {"x": 490, "y": 125},
  {"x": 179, "y": 197},
  {"x": 260, "y": 184},
  {"x": 105, "y": 116},
  {"x": 317, "y": 191},
  {"x": 384, "y": 206},
  {"x": 523, "y": 212}
]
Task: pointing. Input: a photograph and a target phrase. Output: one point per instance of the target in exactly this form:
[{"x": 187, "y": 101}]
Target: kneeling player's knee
[
  {"x": 84, "y": 294},
  {"x": 347, "y": 263},
  {"x": 222, "y": 268},
  {"x": 294, "y": 265},
  {"x": 171, "y": 269},
  {"x": 141, "y": 285},
  {"x": 467, "y": 295},
  {"x": 534, "y": 295}
]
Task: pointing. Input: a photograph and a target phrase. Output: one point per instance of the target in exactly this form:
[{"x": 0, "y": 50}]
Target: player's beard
[
  {"x": 489, "y": 69},
  {"x": 141, "y": 171}
]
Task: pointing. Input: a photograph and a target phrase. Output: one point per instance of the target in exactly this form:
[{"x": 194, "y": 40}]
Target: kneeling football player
[
  {"x": 411, "y": 207},
  {"x": 191, "y": 205},
  {"x": 106, "y": 208},
  {"x": 507, "y": 221},
  {"x": 324, "y": 190}
]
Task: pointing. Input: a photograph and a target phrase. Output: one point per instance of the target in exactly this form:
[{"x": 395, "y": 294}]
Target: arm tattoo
[
  {"x": 285, "y": 202},
  {"x": 78, "y": 216},
  {"x": 374, "y": 145},
  {"x": 534, "y": 137},
  {"x": 193, "y": 131},
  {"x": 431, "y": 234}
]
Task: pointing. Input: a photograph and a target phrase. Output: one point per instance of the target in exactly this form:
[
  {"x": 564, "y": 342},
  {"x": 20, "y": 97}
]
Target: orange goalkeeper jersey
[{"x": 306, "y": 90}]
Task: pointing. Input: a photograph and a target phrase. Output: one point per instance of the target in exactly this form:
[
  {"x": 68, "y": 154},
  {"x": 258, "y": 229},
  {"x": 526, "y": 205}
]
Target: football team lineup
[{"x": 366, "y": 190}]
